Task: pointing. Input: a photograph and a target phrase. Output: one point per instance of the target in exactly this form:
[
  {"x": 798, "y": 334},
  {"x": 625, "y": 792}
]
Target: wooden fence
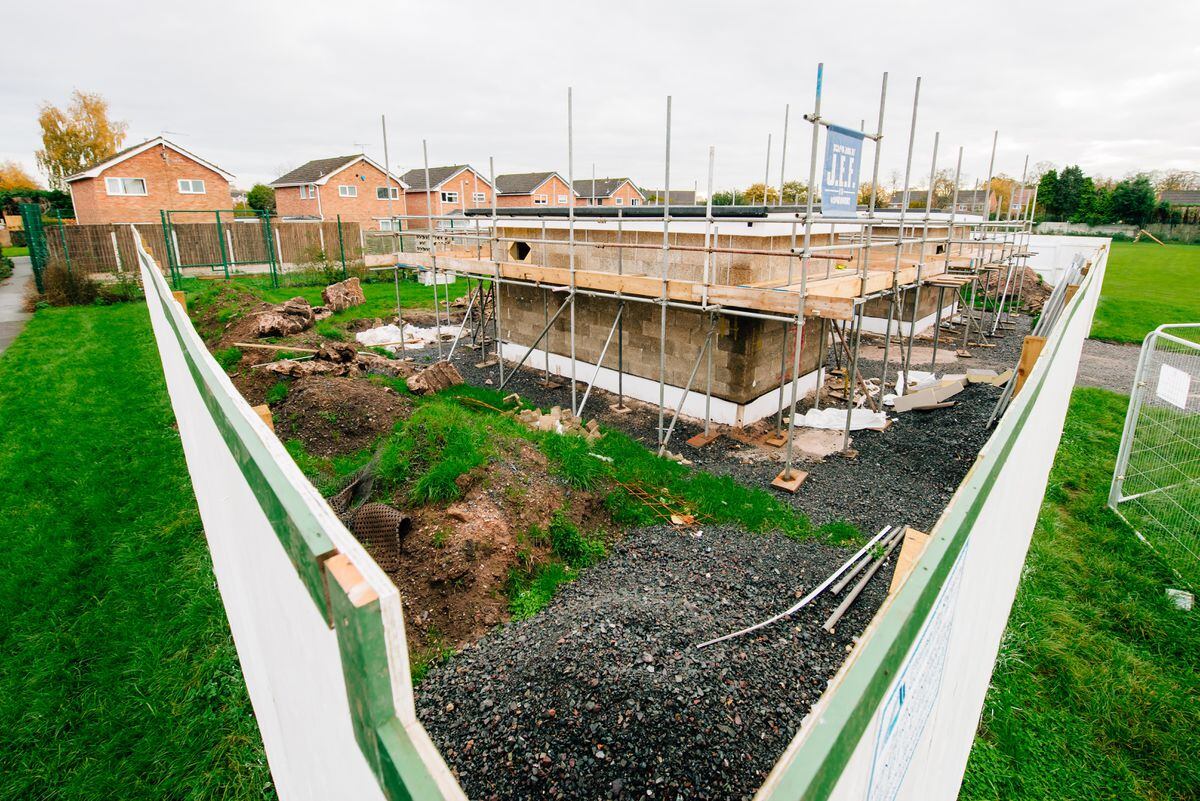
[{"x": 109, "y": 248}]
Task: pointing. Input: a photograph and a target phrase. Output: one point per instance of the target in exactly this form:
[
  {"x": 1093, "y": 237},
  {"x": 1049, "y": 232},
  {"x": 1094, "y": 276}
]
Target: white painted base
[
  {"x": 646, "y": 389},
  {"x": 878, "y": 325}
]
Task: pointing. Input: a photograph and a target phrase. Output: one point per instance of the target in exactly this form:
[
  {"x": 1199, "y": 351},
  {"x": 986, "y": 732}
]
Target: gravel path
[
  {"x": 905, "y": 474},
  {"x": 1107, "y": 365},
  {"x": 602, "y": 695}
]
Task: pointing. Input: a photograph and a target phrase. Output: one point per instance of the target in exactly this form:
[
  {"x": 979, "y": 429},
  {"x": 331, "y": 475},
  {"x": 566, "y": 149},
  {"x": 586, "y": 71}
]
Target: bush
[
  {"x": 65, "y": 287},
  {"x": 6, "y": 267},
  {"x": 123, "y": 290}
]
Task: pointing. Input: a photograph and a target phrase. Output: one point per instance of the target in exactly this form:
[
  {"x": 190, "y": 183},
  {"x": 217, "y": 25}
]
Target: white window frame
[
  {"x": 449, "y": 196},
  {"x": 191, "y": 186},
  {"x": 347, "y": 190},
  {"x": 619, "y": 201},
  {"x": 388, "y": 225},
  {"x": 635, "y": 201},
  {"x": 381, "y": 192},
  {"x": 540, "y": 200},
  {"x": 562, "y": 200},
  {"x": 120, "y": 183},
  {"x": 479, "y": 197}
]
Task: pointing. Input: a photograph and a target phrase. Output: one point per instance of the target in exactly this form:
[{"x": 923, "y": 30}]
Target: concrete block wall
[{"x": 746, "y": 358}]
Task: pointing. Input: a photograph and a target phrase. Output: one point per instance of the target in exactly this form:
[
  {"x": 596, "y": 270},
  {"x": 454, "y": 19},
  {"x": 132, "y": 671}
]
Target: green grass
[
  {"x": 118, "y": 677},
  {"x": 14, "y": 251},
  {"x": 1096, "y": 693},
  {"x": 380, "y": 298},
  {"x": 1146, "y": 285}
]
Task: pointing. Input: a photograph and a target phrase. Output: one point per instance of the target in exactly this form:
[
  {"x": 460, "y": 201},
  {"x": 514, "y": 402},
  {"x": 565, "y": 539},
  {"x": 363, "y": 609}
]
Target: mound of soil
[
  {"x": 332, "y": 415},
  {"x": 604, "y": 694},
  {"x": 455, "y": 563}
]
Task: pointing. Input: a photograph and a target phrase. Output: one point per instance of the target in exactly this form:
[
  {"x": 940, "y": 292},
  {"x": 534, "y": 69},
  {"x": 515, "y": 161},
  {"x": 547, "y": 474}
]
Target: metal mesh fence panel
[{"x": 1156, "y": 484}]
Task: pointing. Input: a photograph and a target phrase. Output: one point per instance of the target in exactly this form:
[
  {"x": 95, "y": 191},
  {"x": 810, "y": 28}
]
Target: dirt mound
[
  {"x": 1034, "y": 291},
  {"x": 333, "y": 415},
  {"x": 456, "y": 560}
]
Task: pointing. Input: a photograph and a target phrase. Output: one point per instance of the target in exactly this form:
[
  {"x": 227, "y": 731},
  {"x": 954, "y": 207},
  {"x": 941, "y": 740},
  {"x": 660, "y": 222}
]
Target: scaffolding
[{"x": 821, "y": 270}]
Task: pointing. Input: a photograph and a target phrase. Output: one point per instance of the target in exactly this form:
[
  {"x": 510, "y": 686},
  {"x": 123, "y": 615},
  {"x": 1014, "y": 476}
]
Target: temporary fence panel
[
  {"x": 318, "y": 627},
  {"x": 1156, "y": 483},
  {"x": 899, "y": 718}
]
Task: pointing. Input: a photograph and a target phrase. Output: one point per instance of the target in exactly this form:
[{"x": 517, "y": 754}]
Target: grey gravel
[
  {"x": 1107, "y": 365},
  {"x": 603, "y": 694}
]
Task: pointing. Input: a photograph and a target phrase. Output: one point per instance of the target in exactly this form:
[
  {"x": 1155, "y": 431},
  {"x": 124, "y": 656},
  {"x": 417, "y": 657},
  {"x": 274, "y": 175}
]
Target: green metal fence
[
  {"x": 214, "y": 247},
  {"x": 35, "y": 235}
]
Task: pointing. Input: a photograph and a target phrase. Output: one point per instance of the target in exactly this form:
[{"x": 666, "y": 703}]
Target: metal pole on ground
[
  {"x": 571, "y": 230},
  {"x": 895, "y": 294},
  {"x": 666, "y": 260},
  {"x": 437, "y": 311},
  {"x": 708, "y": 219},
  {"x": 912, "y": 324},
  {"x": 221, "y": 244},
  {"x": 342, "y": 248},
  {"x": 62, "y": 235},
  {"x": 496, "y": 251}
]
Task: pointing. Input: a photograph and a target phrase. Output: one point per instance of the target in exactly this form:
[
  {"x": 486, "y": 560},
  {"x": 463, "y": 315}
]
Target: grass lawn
[
  {"x": 14, "y": 251},
  {"x": 1146, "y": 285},
  {"x": 1097, "y": 690},
  {"x": 118, "y": 676}
]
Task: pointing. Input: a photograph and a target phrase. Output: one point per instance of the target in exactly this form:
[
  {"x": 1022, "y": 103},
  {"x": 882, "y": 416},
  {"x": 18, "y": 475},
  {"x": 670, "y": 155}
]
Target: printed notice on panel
[
  {"x": 908, "y": 706},
  {"x": 1173, "y": 386}
]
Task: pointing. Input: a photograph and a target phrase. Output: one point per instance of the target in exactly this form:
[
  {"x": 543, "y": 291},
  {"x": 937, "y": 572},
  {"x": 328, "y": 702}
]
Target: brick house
[
  {"x": 452, "y": 189},
  {"x": 679, "y": 197},
  {"x": 354, "y": 188},
  {"x": 524, "y": 189},
  {"x": 134, "y": 185},
  {"x": 608, "y": 192}
]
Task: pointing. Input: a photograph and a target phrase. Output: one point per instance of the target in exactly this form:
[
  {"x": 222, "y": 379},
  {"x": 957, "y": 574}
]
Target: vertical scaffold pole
[
  {"x": 782, "y": 154},
  {"x": 621, "y": 326},
  {"x": 666, "y": 261},
  {"x": 787, "y": 476},
  {"x": 437, "y": 311},
  {"x": 987, "y": 216},
  {"x": 912, "y": 324},
  {"x": 571, "y": 230},
  {"x": 708, "y": 219},
  {"x": 866, "y": 259},
  {"x": 895, "y": 294},
  {"x": 496, "y": 251}
]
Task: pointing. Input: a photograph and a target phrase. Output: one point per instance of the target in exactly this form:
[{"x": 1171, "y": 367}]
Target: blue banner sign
[{"x": 839, "y": 180}]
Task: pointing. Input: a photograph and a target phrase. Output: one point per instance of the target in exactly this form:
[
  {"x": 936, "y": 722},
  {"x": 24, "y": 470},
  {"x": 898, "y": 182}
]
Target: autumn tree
[
  {"x": 943, "y": 188},
  {"x": 882, "y": 195},
  {"x": 13, "y": 176},
  {"x": 77, "y": 137},
  {"x": 795, "y": 193},
  {"x": 753, "y": 195}
]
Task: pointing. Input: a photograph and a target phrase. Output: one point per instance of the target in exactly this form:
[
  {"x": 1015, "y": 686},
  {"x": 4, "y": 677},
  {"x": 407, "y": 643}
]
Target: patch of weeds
[
  {"x": 570, "y": 545},
  {"x": 328, "y": 417},
  {"x": 395, "y": 383},
  {"x": 439, "y": 538},
  {"x": 387, "y": 354},
  {"x": 437, "y": 444},
  {"x": 277, "y": 392},
  {"x": 330, "y": 330},
  {"x": 571, "y": 458},
  {"x": 839, "y": 532},
  {"x": 425, "y": 659},
  {"x": 530, "y": 592},
  {"x": 228, "y": 358}
]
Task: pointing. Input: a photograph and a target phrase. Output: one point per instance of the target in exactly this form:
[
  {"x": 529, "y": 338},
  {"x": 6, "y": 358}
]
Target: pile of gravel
[{"x": 604, "y": 695}]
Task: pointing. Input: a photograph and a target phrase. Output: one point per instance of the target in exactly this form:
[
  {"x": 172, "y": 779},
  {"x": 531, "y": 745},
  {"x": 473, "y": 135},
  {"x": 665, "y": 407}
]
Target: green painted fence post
[{"x": 342, "y": 248}]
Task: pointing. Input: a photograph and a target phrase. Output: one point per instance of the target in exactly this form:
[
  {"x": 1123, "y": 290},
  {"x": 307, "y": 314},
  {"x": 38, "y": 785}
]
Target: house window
[
  {"x": 635, "y": 202},
  {"x": 345, "y": 190},
  {"x": 562, "y": 200},
  {"x": 449, "y": 197},
  {"x": 620, "y": 201},
  {"x": 539, "y": 200},
  {"x": 389, "y": 225},
  {"x": 191, "y": 187},
  {"x": 308, "y": 191},
  {"x": 383, "y": 192},
  {"x": 479, "y": 197},
  {"x": 125, "y": 186}
]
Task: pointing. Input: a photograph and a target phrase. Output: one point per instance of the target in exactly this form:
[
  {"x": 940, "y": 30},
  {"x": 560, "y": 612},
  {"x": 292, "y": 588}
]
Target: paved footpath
[{"x": 12, "y": 301}]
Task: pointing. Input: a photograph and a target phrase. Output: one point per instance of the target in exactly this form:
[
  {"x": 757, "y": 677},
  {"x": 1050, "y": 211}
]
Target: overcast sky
[{"x": 261, "y": 87}]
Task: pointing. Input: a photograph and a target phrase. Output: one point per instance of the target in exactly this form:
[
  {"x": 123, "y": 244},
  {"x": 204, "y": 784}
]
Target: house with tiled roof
[
  {"x": 136, "y": 184},
  {"x": 608, "y": 192},
  {"x": 449, "y": 190},
  {"x": 525, "y": 189},
  {"x": 354, "y": 188}
]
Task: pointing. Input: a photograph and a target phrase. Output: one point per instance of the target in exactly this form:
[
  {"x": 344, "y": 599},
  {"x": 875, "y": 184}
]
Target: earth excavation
[{"x": 569, "y": 595}]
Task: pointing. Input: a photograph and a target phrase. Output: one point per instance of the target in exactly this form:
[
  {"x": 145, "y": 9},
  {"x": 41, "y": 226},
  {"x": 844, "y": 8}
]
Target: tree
[
  {"x": 753, "y": 195},
  {"x": 78, "y": 137},
  {"x": 1047, "y": 194},
  {"x": 261, "y": 198},
  {"x": 882, "y": 195},
  {"x": 943, "y": 188},
  {"x": 722, "y": 199},
  {"x": 1176, "y": 180},
  {"x": 795, "y": 193},
  {"x": 13, "y": 176},
  {"x": 1002, "y": 190},
  {"x": 1133, "y": 201},
  {"x": 1070, "y": 194}
]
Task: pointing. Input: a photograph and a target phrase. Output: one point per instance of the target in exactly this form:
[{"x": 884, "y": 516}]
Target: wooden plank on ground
[{"x": 914, "y": 545}]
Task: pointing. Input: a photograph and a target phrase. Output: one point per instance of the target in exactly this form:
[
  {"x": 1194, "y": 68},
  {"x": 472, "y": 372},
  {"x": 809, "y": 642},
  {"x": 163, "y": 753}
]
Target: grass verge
[
  {"x": 1145, "y": 282},
  {"x": 1096, "y": 693},
  {"x": 118, "y": 676}
]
